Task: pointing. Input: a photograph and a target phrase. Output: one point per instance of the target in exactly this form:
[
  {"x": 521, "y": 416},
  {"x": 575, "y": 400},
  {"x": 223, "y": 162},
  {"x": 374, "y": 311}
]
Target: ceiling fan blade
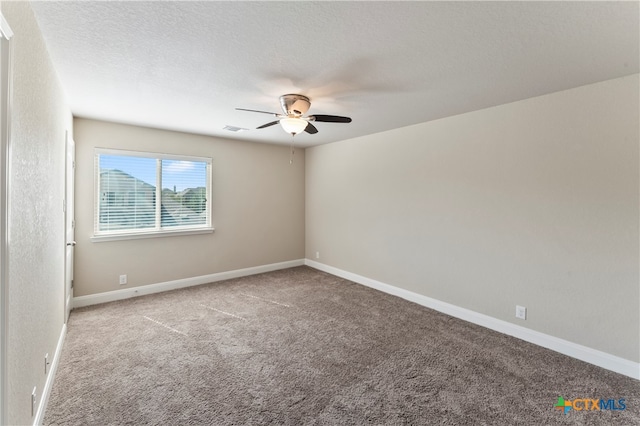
[
  {"x": 311, "y": 129},
  {"x": 255, "y": 110},
  {"x": 268, "y": 124},
  {"x": 330, "y": 118}
]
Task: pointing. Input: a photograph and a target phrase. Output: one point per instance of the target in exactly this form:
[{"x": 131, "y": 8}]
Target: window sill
[{"x": 154, "y": 234}]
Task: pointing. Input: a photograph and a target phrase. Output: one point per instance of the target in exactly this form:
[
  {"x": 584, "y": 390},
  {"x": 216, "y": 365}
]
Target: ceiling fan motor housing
[{"x": 295, "y": 105}]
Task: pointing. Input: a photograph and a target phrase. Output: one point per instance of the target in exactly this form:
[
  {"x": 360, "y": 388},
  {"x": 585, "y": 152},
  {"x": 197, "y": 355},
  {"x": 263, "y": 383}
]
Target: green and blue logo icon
[{"x": 589, "y": 404}]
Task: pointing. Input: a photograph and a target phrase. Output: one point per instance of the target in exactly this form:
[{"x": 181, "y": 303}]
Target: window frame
[{"x": 158, "y": 230}]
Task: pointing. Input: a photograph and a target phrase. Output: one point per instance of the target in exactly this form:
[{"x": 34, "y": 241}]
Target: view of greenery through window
[{"x": 128, "y": 193}]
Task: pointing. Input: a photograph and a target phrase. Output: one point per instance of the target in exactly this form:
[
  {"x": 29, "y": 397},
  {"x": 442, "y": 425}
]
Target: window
[{"x": 127, "y": 194}]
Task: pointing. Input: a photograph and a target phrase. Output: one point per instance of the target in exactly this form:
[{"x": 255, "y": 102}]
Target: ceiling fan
[{"x": 293, "y": 119}]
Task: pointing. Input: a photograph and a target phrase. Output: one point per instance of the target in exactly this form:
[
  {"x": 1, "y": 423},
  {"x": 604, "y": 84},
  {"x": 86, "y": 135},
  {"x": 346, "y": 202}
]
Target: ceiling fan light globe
[{"x": 293, "y": 125}]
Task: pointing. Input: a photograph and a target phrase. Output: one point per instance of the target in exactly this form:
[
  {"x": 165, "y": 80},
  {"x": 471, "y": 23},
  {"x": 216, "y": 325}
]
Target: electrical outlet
[
  {"x": 33, "y": 402},
  {"x": 46, "y": 363},
  {"x": 521, "y": 312},
  {"x": 317, "y": 255},
  {"x": 123, "y": 279}
]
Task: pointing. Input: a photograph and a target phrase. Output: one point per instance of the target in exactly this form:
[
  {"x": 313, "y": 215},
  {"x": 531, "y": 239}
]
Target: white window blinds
[{"x": 129, "y": 201}]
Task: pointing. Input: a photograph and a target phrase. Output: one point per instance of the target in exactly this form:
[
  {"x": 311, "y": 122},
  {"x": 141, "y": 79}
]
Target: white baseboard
[
  {"x": 127, "y": 293},
  {"x": 574, "y": 350},
  {"x": 48, "y": 384}
]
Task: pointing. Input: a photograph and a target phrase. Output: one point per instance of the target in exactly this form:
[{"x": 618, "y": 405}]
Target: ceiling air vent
[{"x": 234, "y": 128}]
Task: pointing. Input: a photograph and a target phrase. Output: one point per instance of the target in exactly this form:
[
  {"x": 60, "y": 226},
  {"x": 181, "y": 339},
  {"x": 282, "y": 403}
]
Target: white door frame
[
  {"x": 69, "y": 223},
  {"x": 5, "y": 110}
]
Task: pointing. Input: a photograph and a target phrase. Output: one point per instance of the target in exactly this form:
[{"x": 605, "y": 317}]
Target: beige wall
[
  {"x": 258, "y": 210},
  {"x": 39, "y": 119},
  {"x": 532, "y": 203}
]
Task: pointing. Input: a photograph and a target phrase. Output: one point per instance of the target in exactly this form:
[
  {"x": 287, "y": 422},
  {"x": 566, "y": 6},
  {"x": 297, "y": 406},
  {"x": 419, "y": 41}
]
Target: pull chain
[{"x": 292, "y": 148}]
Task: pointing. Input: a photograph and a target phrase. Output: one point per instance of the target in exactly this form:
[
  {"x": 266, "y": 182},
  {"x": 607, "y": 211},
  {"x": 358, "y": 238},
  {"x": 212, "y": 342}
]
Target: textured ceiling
[{"x": 186, "y": 65}]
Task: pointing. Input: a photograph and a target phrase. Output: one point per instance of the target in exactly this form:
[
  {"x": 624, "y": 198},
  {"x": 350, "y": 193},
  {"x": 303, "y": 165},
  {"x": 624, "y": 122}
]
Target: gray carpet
[{"x": 298, "y": 347}]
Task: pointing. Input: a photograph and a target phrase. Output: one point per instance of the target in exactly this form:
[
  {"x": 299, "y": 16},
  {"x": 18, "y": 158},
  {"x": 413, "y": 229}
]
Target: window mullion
[{"x": 158, "y": 194}]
